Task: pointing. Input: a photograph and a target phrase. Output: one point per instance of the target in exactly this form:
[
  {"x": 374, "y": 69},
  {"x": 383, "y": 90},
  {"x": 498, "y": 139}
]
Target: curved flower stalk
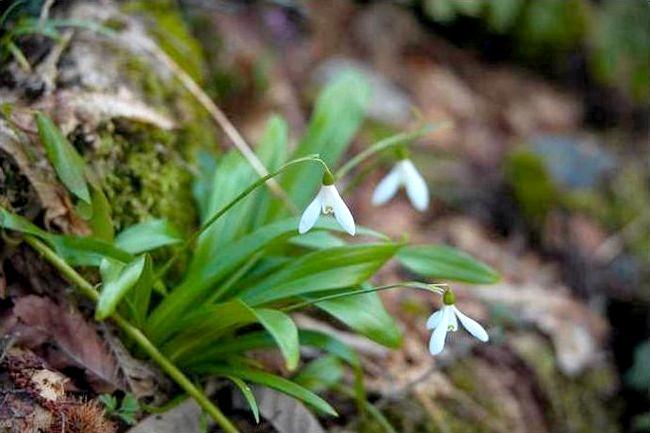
[
  {"x": 403, "y": 174},
  {"x": 328, "y": 200},
  {"x": 446, "y": 319}
]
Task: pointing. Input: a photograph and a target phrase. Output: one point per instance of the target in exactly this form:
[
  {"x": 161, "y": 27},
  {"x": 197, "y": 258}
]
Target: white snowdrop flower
[
  {"x": 446, "y": 319},
  {"x": 403, "y": 174},
  {"x": 327, "y": 201}
]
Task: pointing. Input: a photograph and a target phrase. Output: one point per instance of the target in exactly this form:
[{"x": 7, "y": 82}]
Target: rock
[
  {"x": 573, "y": 162},
  {"x": 186, "y": 418}
]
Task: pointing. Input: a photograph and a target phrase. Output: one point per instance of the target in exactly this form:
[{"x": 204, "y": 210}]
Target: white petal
[
  {"x": 341, "y": 211},
  {"x": 310, "y": 215},
  {"x": 437, "y": 342},
  {"x": 453, "y": 322},
  {"x": 387, "y": 188},
  {"x": 416, "y": 187},
  {"x": 434, "y": 320},
  {"x": 472, "y": 326}
]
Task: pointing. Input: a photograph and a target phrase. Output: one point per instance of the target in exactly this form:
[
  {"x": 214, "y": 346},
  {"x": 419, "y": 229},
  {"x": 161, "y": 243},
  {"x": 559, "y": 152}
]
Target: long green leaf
[
  {"x": 115, "y": 289},
  {"x": 333, "y": 268},
  {"x": 200, "y": 280},
  {"x": 248, "y": 395},
  {"x": 147, "y": 236},
  {"x": 12, "y": 221},
  {"x": 320, "y": 374},
  {"x": 203, "y": 328},
  {"x": 329, "y": 344},
  {"x": 273, "y": 152},
  {"x": 86, "y": 251},
  {"x": 338, "y": 113},
  {"x": 68, "y": 164},
  {"x": 285, "y": 333},
  {"x": 444, "y": 262},
  {"x": 101, "y": 222},
  {"x": 365, "y": 313},
  {"x": 272, "y": 381}
]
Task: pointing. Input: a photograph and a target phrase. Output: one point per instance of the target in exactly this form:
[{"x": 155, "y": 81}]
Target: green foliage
[
  {"x": 125, "y": 410},
  {"x": 69, "y": 165},
  {"x": 247, "y": 268},
  {"x": 532, "y": 186},
  {"x": 446, "y": 263},
  {"x": 614, "y": 33},
  {"x": 320, "y": 374},
  {"x": 117, "y": 280},
  {"x": 638, "y": 376}
]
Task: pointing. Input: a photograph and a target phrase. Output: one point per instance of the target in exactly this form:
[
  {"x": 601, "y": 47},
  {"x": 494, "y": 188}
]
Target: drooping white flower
[
  {"x": 446, "y": 319},
  {"x": 403, "y": 174},
  {"x": 327, "y": 201}
]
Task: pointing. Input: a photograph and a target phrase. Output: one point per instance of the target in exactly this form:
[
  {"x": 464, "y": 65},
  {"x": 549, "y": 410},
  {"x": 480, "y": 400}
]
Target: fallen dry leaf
[{"x": 74, "y": 337}]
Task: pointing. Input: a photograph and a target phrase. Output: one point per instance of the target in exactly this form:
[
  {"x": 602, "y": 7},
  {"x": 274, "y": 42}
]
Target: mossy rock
[{"x": 146, "y": 171}]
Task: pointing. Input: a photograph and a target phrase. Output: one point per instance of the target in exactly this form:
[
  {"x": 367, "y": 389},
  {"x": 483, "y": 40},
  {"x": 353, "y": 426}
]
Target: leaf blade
[{"x": 68, "y": 164}]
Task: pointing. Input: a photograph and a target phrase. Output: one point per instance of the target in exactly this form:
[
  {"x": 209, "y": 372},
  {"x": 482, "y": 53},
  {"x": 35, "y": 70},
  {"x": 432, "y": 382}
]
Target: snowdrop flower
[
  {"x": 327, "y": 201},
  {"x": 403, "y": 174},
  {"x": 446, "y": 319}
]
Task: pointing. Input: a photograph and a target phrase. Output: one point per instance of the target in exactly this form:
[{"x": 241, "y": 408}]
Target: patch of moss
[
  {"x": 531, "y": 184},
  {"x": 144, "y": 174},
  {"x": 170, "y": 31},
  {"x": 578, "y": 404},
  {"x": 146, "y": 171}
]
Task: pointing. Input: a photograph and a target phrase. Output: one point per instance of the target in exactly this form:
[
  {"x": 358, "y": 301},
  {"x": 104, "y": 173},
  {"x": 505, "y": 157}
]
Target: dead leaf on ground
[{"x": 74, "y": 337}]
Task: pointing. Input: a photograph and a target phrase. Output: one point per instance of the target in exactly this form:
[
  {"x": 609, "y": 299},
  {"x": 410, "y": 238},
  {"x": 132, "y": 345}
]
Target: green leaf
[
  {"x": 272, "y": 381},
  {"x": 114, "y": 290},
  {"x": 248, "y": 395},
  {"x": 440, "y": 10},
  {"x": 109, "y": 401},
  {"x": 232, "y": 176},
  {"x": 68, "y": 164},
  {"x": 12, "y": 221},
  {"x": 147, "y": 236},
  {"x": 321, "y": 374},
  {"x": 101, "y": 222},
  {"x": 317, "y": 240},
  {"x": 338, "y": 114},
  {"x": 329, "y": 269},
  {"x": 272, "y": 152},
  {"x": 140, "y": 296},
  {"x": 204, "y": 327},
  {"x": 86, "y": 251},
  {"x": 365, "y": 313},
  {"x": 129, "y": 407},
  {"x": 444, "y": 262},
  {"x": 206, "y": 166},
  {"x": 502, "y": 14},
  {"x": 202, "y": 276},
  {"x": 285, "y": 333},
  {"x": 329, "y": 344}
]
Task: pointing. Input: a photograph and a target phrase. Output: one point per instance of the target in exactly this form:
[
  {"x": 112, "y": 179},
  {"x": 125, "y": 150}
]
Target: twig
[
  {"x": 47, "y": 70},
  {"x": 221, "y": 119}
]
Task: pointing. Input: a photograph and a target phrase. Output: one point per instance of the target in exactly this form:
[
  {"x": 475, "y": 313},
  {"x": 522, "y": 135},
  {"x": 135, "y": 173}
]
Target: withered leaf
[{"x": 74, "y": 336}]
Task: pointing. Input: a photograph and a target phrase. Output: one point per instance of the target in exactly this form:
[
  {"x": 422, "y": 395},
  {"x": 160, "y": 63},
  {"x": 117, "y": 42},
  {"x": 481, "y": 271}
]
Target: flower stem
[
  {"x": 436, "y": 288},
  {"x": 385, "y": 144},
  {"x": 88, "y": 291},
  {"x": 259, "y": 182}
]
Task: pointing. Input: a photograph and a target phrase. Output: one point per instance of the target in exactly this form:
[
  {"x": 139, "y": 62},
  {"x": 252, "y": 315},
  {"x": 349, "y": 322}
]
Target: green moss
[
  {"x": 170, "y": 31},
  {"x": 531, "y": 184},
  {"x": 144, "y": 174},
  {"x": 575, "y": 404}
]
